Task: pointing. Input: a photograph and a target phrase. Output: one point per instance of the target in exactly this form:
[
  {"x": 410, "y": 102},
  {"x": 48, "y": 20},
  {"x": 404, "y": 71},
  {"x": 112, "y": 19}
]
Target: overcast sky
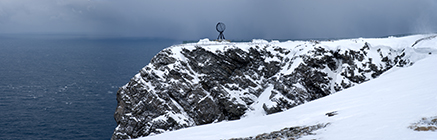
[{"x": 195, "y": 19}]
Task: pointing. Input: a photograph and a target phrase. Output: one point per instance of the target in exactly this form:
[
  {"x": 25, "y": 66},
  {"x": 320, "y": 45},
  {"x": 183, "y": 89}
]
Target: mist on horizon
[{"x": 193, "y": 20}]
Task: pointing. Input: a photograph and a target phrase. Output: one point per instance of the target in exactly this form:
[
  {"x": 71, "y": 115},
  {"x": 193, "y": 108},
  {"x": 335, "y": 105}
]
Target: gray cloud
[{"x": 194, "y": 19}]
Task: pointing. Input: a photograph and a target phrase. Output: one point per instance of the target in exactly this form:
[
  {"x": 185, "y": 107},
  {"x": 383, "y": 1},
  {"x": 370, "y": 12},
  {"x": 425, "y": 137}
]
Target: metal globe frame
[{"x": 220, "y": 27}]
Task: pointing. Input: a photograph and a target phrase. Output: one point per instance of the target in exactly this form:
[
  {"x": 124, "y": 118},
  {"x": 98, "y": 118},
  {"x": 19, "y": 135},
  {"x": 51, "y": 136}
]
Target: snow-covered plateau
[{"x": 364, "y": 88}]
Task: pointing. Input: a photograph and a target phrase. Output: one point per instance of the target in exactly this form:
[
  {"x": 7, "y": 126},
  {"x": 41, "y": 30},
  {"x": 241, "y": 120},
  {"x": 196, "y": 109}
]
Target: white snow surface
[{"x": 381, "y": 108}]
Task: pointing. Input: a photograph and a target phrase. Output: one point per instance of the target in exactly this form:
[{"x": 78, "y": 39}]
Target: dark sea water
[{"x": 65, "y": 87}]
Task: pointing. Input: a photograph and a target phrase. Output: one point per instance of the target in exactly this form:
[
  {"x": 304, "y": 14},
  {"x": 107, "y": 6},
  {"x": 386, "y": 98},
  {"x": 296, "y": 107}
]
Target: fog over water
[{"x": 195, "y": 19}]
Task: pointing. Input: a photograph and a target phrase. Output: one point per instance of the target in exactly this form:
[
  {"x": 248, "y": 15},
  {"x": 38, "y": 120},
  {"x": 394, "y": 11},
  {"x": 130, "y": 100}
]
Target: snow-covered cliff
[
  {"x": 398, "y": 105},
  {"x": 206, "y": 82}
]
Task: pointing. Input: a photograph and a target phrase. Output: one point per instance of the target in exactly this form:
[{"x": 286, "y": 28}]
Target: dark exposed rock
[
  {"x": 290, "y": 133},
  {"x": 330, "y": 114},
  {"x": 194, "y": 84}
]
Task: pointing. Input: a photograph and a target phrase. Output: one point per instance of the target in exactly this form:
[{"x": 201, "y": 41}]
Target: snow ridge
[{"x": 207, "y": 82}]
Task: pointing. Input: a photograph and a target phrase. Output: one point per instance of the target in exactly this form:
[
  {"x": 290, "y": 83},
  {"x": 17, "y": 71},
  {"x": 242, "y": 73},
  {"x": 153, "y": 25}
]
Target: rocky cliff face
[{"x": 206, "y": 82}]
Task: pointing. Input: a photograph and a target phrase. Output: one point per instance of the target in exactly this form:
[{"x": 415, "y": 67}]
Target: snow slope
[{"x": 382, "y": 108}]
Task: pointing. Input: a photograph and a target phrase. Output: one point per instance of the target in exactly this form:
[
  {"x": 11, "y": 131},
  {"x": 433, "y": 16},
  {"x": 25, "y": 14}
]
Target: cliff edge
[{"x": 207, "y": 82}]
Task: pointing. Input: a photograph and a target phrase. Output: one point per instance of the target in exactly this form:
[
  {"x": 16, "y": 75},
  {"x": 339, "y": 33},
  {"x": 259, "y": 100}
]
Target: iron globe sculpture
[{"x": 220, "y": 27}]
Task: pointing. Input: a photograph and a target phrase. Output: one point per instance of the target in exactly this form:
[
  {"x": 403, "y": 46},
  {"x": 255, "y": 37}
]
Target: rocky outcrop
[
  {"x": 425, "y": 124},
  {"x": 290, "y": 133},
  {"x": 206, "y": 82}
]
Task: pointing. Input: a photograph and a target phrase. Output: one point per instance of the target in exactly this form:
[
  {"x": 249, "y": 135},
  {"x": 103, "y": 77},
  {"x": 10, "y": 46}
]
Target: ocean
[{"x": 55, "y": 87}]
